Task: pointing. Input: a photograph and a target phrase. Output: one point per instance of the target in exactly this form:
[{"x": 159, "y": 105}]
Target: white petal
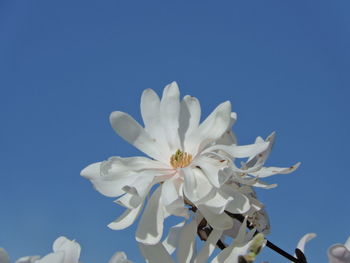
[
  {"x": 57, "y": 257},
  {"x": 119, "y": 257},
  {"x": 171, "y": 241},
  {"x": 186, "y": 247},
  {"x": 190, "y": 114},
  {"x": 131, "y": 131},
  {"x": 240, "y": 151},
  {"x": 208, "y": 247},
  {"x": 28, "y": 259},
  {"x": 70, "y": 248},
  {"x": 4, "y": 258},
  {"x": 210, "y": 130},
  {"x": 155, "y": 253},
  {"x": 196, "y": 184},
  {"x": 347, "y": 243},
  {"x": 150, "y": 111},
  {"x": 129, "y": 201},
  {"x": 262, "y": 157},
  {"x": 109, "y": 177},
  {"x": 172, "y": 198},
  {"x": 268, "y": 171},
  {"x": 141, "y": 185},
  {"x": 217, "y": 221},
  {"x": 169, "y": 115},
  {"x": 150, "y": 228},
  {"x": 228, "y": 138},
  {"x": 210, "y": 167},
  {"x": 126, "y": 219},
  {"x": 306, "y": 238}
]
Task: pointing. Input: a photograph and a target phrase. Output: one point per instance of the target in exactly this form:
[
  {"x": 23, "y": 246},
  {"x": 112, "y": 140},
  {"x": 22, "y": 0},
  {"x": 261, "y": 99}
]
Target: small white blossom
[{"x": 339, "y": 253}]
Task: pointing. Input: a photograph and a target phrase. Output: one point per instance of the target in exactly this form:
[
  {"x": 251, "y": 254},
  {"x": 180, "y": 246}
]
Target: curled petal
[{"x": 126, "y": 219}]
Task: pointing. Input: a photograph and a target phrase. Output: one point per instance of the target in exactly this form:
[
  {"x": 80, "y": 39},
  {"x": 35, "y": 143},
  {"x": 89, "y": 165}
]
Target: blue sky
[{"x": 65, "y": 65}]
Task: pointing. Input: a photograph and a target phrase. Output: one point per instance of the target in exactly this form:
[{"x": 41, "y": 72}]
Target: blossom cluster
[{"x": 191, "y": 172}]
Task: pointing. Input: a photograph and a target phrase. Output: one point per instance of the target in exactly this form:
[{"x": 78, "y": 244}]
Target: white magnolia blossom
[
  {"x": 339, "y": 253},
  {"x": 191, "y": 161},
  {"x": 64, "y": 251},
  {"x": 182, "y": 238}
]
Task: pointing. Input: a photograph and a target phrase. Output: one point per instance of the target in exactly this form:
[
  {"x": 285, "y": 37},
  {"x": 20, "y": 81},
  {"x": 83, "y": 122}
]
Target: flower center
[{"x": 180, "y": 159}]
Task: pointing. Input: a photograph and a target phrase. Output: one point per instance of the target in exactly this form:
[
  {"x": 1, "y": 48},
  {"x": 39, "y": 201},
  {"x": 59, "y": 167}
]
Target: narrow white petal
[
  {"x": 70, "y": 248},
  {"x": 190, "y": 114},
  {"x": 306, "y": 238},
  {"x": 170, "y": 114},
  {"x": 150, "y": 228},
  {"x": 268, "y": 171},
  {"x": 119, "y": 257},
  {"x": 131, "y": 131},
  {"x": 217, "y": 221},
  {"x": 150, "y": 111},
  {"x": 155, "y": 253},
  {"x": 186, "y": 247},
  {"x": 171, "y": 241},
  {"x": 126, "y": 219},
  {"x": 240, "y": 151},
  {"x": 208, "y": 247},
  {"x": 210, "y": 130},
  {"x": 28, "y": 259}
]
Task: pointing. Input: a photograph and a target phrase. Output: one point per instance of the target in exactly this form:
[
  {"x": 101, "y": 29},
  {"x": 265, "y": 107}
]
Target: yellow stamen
[{"x": 180, "y": 159}]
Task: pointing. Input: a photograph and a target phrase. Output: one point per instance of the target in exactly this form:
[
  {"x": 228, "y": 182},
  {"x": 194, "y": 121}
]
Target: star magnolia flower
[
  {"x": 243, "y": 250},
  {"x": 185, "y": 158}
]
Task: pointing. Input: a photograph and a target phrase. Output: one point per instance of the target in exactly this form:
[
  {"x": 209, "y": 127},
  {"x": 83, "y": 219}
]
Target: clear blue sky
[{"x": 65, "y": 65}]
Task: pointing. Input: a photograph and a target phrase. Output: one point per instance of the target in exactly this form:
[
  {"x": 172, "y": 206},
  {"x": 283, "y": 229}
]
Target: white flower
[
  {"x": 186, "y": 158},
  {"x": 339, "y": 253},
  {"x": 64, "y": 251},
  {"x": 244, "y": 248}
]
